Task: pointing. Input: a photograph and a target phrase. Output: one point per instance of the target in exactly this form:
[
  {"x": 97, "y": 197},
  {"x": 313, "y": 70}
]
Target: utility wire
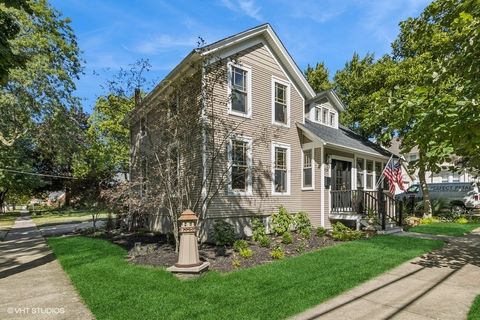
[{"x": 36, "y": 174}]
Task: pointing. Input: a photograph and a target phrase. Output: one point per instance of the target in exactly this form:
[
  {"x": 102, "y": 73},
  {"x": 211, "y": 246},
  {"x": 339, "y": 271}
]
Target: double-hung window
[
  {"x": 280, "y": 97},
  {"x": 143, "y": 126},
  {"x": 281, "y": 169},
  {"x": 239, "y": 90},
  {"x": 307, "y": 182},
  {"x": 240, "y": 160}
]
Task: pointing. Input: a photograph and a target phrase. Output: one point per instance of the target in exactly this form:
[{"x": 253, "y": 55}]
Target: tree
[
  {"x": 44, "y": 83},
  {"x": 318, "y": 77},
  {"x": 424, "y": 91},
  {"x": 9, "y": 29}
]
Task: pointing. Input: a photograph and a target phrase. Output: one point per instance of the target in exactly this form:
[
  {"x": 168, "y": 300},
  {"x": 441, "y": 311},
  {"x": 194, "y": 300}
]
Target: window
[
  {"x": 143, "y": 127},
  {"x": 324, "y": 115},
  {"x": 369, "y": 174},
  {"x": 239, "y": 90},
  {"x": 332, "y": 119},
  {"x": 280, "y": 102},
  {"x": 307, "y": 169},
  {"x": 360, "y": 173},
  {"x": 240, "y": 160},
  {"x": 280, "y": 109},
  {"x": 318, "y": 114},
  {"x": 281, "y": 169}
]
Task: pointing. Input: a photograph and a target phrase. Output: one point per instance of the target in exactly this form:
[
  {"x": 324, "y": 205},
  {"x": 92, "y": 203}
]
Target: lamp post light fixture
[{"x": 188, "y": 257}]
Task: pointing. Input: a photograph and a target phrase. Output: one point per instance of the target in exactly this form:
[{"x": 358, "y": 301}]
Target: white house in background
[{"x": 444, "y": 176}]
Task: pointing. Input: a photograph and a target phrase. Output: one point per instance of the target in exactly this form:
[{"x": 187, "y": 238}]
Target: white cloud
[
  {"x": 163, "y": 42},
  {"x": 247, "y": 7}
]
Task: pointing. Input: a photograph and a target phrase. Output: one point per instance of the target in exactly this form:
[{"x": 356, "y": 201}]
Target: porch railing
[{"x": 374, "y": 204}]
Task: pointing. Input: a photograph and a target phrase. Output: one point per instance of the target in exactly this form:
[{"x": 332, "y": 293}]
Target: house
[
  {"x": 309, "y": 161},
  {"x": 446, "y": 174}
]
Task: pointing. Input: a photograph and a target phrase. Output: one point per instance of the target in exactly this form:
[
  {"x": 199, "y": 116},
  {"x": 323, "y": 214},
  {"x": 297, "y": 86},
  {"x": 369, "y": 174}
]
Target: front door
[
  {"x": 341, "y": 186},
  {"x": 341, "y": 175}
]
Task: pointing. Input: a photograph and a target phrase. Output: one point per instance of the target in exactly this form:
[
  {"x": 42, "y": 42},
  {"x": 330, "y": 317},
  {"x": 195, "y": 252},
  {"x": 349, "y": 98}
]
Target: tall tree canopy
[
  {"x": 424, "y": 91},
  {"x": 45, "y": 82},
  {"x": 318, "y": 77}
]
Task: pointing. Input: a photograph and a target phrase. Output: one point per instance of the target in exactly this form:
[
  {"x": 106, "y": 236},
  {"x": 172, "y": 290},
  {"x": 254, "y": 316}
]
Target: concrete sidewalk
[
  {"x": 438, "y": 285},
  {"x": 32, "y": 283}
]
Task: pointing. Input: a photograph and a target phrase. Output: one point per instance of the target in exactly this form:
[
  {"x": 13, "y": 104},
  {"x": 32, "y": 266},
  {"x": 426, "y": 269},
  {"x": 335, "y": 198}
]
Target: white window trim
[
  {"x": 287, "y": 84},
  {"x": 313, "y": 169},
  {"x": 289, "y": 172},
  {"x": 322, "y": 107},
  {"x": 248, "y": 69},
  {"x": 375, "y": 174},
  {"x": 249, "y": 191}
]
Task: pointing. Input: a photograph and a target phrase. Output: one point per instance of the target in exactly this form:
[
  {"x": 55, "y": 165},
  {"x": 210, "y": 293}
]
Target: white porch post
[{"x": 322, "y": 186}]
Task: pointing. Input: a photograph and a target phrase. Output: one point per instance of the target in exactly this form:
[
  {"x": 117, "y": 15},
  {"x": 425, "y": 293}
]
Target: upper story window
[
  {"x": 240, "y": 161},
  {"x": 307, "y": 182},
  {"x": 281, "y": 102},
  {"x": 239, "y": 90},
  {"x": 281, "y": 169},
  {"x": 332, "y": 119}
]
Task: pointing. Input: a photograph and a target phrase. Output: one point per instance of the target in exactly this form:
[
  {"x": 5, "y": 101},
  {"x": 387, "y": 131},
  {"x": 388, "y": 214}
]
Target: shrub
[
  {"x": 246, "y": 253},
  {"x": 223, "y": 233},
  {"x": 281, "y": 221},
  {"x": 302, "y": 246},
  {"x": 239, "y": 245},
  {"x": 461, "y": 220},
  {"x": 343, "y": 233},
  {"x": 264, "y": 241},
  {"x": 428, "y": 220},
  {"x": 321, "y": 231},
  {"x": 258, "y": 229},
  {"x": 287, "y": 238},
  {"x": 236, "y": 263},
  {"x": 303, "y": 224},
  {"x": 277, "y": 253}
]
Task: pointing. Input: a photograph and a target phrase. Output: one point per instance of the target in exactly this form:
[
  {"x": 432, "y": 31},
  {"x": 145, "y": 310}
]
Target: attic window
[{"x": 325, "y": 116}]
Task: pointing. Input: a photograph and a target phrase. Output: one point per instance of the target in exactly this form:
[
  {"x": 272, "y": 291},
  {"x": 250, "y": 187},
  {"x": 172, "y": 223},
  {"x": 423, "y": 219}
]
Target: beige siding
[{"x": 260, "y": 129}]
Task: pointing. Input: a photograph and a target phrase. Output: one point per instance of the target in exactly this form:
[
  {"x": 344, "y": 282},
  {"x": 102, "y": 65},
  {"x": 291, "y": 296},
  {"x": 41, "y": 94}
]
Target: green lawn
[
  {"x": 446, "y": 228},
  {"x": 474, "y": 313},
  {"x": 114, "y": 289},
  {"x": 56, "y": 217}
]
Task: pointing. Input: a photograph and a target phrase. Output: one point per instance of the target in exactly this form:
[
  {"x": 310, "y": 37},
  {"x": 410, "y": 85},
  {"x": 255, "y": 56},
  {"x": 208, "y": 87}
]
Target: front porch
[{"x": 366, "y": 207}]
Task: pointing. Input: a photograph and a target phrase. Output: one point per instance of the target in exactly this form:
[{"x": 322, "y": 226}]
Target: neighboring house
[
  {"x": 444, "y": 176},
  {"x": 312, "y": 162}
]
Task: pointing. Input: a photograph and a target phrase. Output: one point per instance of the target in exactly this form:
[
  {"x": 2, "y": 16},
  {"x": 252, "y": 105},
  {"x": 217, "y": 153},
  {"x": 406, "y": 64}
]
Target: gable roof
[
  {"x": 342, "y": 137},
  {"x": 332, "y": 96},
  {"x": 266, "y": 31}
]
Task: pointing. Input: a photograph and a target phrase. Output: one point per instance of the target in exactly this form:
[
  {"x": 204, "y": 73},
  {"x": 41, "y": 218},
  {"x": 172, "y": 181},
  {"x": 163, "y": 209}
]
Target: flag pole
[{"x": 382, "y": 176}]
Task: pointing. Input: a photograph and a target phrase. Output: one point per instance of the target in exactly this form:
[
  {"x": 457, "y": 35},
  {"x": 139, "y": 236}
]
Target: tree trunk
[
  {"x": 2, "y": 199},
  {"x": 427, "y": 205}
]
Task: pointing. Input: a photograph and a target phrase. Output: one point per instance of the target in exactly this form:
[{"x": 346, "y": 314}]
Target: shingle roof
[{"x": 344, "y": 137}]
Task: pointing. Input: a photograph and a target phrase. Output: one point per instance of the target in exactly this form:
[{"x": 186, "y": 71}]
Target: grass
[
  {"x": 57, "y": 217},
  {"x": 474, "y": 313},
  {"x": 446, "y": 228},
  {"x": 114, "y": 289}
]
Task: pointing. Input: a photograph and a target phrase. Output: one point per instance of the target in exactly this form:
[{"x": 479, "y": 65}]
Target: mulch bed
[{"x": 156, "y": 250}]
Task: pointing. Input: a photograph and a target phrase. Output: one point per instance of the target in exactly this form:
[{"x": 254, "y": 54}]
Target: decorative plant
[
  {"x": 264, "y": 241},
  {"x": 281, "y": 221},
  {"x": 287, "y": 238},
  {"x": 321, "y": 231},
  {"x": 303, "y": 224},
  {"x": 258, "y": 229},
  {"x": 240, "y": 244},
  {"x": 277, "y": 253},
  {"x": 343, "y": 233},
  {"x": 223, "y": 233},
  {"x": 246, "y": 253}
]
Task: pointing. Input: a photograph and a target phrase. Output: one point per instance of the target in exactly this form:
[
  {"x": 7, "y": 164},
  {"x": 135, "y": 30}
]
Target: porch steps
[{"x": 393, "y": 230}]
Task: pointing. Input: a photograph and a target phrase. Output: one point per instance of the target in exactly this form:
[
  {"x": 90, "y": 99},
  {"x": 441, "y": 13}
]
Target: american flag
[{"x": 393, "y": 173}]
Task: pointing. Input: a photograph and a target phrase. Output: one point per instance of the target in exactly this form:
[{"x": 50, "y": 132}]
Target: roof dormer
[{"x": 325, "y": 109}]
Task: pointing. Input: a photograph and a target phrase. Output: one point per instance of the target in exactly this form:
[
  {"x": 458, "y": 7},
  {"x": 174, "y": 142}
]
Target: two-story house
[{"x": 310, "y": 162}]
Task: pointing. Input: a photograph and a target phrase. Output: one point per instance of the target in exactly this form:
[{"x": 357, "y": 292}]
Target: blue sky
[{"x": 115, "y": 33}]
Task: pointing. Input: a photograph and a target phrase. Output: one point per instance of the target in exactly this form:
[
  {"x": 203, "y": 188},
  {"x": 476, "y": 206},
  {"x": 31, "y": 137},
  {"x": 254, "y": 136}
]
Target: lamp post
[{"x": 188, "y": 257}]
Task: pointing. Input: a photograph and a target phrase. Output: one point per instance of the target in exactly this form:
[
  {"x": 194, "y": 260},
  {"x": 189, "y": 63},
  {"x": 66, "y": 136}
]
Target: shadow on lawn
[{"x": 453, "y": 256}]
